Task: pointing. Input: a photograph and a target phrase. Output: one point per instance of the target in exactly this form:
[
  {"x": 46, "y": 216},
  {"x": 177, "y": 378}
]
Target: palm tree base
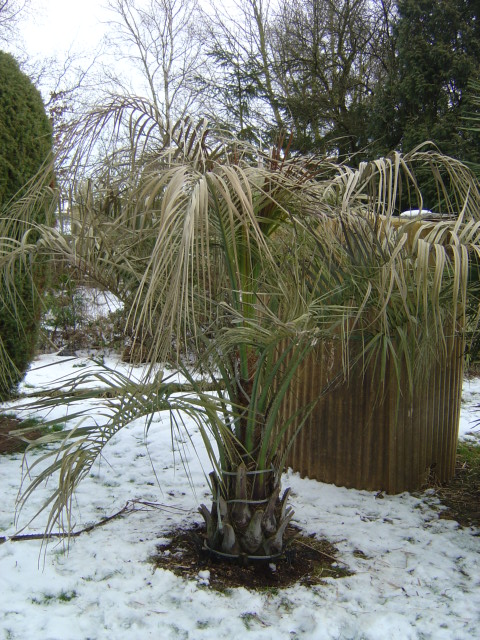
[
  {"x": 244, "y": 556},
  {"x": 243, "y": 527}
]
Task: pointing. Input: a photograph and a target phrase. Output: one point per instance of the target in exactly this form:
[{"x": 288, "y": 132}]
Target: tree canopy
[{"x": 427, "y": 95}]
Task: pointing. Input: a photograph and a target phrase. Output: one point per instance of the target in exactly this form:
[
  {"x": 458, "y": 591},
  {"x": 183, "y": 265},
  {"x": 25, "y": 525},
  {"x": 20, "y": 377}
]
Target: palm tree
[{"x": 247, "y": 260}]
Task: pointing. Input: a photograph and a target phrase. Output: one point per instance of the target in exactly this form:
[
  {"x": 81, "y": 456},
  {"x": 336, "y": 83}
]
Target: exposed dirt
[
  {"x": 12, "y": 444},
  {"x": 306, "y": 561},
  {"x": 461, "y": 496}
]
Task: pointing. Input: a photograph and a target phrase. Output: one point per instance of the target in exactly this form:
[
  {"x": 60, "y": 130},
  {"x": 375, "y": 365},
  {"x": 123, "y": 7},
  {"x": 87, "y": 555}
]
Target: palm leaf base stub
[{"x": 252, "y": 527}]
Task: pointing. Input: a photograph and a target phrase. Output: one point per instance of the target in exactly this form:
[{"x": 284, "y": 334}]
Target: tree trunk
[{"x": 247, "y": 518}]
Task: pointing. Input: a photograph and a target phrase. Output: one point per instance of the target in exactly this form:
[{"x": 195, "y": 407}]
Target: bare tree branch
[
  {"x": 10, "y": 12},
  {"x": 159, "y": 42}
]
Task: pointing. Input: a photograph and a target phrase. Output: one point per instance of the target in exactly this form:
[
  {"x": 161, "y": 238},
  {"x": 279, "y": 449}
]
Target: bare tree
[
  {"x": 10, "y": 12},
  {"x": 329, "y": 56},
  {"x": 158, "y": 46},
  {"x": 68, "y": 84},
  {"x": 242, "y": 83}
]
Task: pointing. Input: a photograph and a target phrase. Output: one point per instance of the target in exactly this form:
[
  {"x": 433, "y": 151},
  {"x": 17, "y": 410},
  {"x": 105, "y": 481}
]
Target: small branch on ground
[{"x": 129, "y": 507}]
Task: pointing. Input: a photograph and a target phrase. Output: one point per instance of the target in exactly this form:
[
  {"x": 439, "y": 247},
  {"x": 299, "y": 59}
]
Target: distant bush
[
  {"x": 78, "y": 316},
  {"x": 25, "y": 144}
]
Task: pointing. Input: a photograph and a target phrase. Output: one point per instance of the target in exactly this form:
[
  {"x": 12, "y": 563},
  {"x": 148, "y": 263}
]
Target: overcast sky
[{"x": 54, "y": 25}]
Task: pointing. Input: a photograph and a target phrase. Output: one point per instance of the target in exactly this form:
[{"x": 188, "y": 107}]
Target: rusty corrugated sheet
[{"x": 363, "y": 435}]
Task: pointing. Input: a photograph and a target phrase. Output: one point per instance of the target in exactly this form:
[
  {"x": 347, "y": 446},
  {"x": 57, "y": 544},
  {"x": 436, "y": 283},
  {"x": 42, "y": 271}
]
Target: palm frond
[{"x": 118, "y": 401}]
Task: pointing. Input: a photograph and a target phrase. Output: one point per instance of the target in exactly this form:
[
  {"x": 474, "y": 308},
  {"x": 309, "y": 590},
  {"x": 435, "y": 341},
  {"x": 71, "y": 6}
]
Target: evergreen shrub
[{"x": 25, "y": 145}]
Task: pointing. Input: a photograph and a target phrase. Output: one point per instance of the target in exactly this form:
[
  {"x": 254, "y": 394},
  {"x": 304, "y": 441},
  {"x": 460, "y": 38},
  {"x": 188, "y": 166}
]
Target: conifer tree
[
  {"x": 426, "y": 95},
  {"x": 25, "y": 144}
]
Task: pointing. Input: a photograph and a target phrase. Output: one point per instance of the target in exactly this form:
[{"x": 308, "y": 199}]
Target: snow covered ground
[{"x": 415, "y": 575}]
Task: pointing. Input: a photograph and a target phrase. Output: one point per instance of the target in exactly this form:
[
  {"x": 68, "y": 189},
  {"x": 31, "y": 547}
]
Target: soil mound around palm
[{"x": 306, "y": 561}]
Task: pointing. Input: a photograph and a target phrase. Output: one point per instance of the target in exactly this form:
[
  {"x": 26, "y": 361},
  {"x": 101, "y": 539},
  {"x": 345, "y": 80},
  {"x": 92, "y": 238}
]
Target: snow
[
  {"x": 98, "y": 303},
  {"x": 415, "y": 575},
  {"x": 413, "y": 213}
]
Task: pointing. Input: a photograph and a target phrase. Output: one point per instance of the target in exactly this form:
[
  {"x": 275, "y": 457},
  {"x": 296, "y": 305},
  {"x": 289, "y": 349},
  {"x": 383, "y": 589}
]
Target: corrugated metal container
[{"x": 365, "y": 434}]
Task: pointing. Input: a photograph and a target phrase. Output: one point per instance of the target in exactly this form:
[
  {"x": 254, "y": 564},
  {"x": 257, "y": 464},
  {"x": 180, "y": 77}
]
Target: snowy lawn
[{"x": 415, "y": 575}]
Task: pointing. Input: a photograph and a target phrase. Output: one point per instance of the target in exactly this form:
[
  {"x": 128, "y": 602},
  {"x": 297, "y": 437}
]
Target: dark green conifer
[{"x": 25, "y": 145}]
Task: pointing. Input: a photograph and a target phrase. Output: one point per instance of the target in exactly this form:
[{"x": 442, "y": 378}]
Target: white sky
[{"x": 56, "y": 25}]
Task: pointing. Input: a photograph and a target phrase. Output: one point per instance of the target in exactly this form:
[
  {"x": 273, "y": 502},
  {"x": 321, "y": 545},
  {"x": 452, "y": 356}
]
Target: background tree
[
  {"x": 329, "y": 57},
  {"x": 25, "y": 145},
  {"x": 232, "y": 89},
  {"x": 309, "y": 67},
  {"x": 353, "y": 78},
  {"x": 425, "y": 95},
  {"x": 241, "y": 83},
  {"x": 157, "y": 44},
  {"x": 10, "y": 12}
]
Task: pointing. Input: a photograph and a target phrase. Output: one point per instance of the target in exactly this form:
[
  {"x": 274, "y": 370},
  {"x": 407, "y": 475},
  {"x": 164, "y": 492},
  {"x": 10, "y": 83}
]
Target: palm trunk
[{"x": 241, "y": 525}]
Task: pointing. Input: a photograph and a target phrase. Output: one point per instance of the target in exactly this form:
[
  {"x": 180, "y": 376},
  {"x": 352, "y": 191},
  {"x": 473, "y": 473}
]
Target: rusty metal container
[{"x": 369, "y": 433}]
